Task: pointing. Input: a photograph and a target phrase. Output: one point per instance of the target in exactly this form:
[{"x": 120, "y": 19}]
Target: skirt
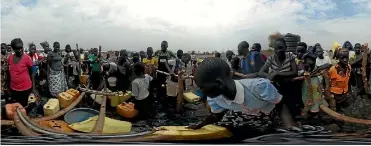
[
  {"x": 57, "y": 82},
  {"x": 243, "y": 125}
]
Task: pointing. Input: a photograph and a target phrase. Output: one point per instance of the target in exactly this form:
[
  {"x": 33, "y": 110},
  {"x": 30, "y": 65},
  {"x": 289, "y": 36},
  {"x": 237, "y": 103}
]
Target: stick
[
  {"x": 180, "y": 91},
  {"x": 364, "y": 65},
  {"x": 99, "y": 57},
  {"x": 165, "y": 73},
  {"x": 309, "y": 101},
  {"x": 79, "y": 69}
]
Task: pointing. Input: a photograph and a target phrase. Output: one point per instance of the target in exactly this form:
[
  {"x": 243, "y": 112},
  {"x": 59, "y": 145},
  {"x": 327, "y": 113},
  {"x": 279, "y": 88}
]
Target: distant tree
[{"x": 272, "y": 37}]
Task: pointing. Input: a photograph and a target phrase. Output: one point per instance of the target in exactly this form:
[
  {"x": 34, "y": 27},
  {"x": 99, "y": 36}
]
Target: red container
[{"x": 11, "y": 110}]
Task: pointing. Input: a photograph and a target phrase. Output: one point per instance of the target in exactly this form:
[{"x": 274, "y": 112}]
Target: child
[
  {"x": 73, "y": 71},
  {"x": 140, "y": 90},
  {"x": 253, "y": 97},
  {"x": 339, "y": 78}
]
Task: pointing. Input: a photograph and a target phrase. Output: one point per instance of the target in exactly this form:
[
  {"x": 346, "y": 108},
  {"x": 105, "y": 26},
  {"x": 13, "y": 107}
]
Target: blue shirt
[{"x": 253, "y": 96}]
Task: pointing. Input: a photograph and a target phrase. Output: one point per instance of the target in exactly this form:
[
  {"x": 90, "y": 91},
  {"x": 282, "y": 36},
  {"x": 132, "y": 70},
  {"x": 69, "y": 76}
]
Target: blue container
[
  {"x": 79, "y": 114},
  {"x": 199, "y": 93}
]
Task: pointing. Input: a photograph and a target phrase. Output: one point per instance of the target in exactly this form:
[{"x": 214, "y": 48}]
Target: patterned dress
[{"x": 4, "y": 70}]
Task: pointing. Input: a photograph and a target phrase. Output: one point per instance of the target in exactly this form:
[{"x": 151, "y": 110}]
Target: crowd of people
[
  {"x": 54, "y": 71},
  {"x": 248, "y": 83},
  {"x": 256, "y": 88}
]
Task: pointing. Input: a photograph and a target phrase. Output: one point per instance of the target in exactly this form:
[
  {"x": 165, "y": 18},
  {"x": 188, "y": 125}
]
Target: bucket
[
  {"x": 84, "y": 79},
  {"x": 171, "y": 88},
  {"x": 112, "y": 81}
]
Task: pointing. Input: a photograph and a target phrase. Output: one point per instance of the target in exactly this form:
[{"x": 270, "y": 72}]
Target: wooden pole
[
  {"x": 180, "y": 91},
  {"x": 309, "y": 102},
  {"x": 364, "y": 67},
  {"x": 79, "y": 68}
]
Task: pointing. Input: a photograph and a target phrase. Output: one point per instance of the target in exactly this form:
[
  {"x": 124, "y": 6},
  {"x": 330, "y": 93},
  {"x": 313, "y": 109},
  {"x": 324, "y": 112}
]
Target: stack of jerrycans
[
  {"x": 66, "y": 98},
  {"x": 120, "y": 98}
]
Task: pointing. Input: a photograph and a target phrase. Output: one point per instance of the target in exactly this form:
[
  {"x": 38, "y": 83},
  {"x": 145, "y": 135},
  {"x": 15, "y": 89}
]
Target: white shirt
[
  {"x": 325, "y": 60},
  {"x": 112, "y": 68},
  {"x": 239, "y": 98},
  {"x": 43, "y": 54},
  {"x": 352, "y": 54},
  {"x": 139, "y": 87}
]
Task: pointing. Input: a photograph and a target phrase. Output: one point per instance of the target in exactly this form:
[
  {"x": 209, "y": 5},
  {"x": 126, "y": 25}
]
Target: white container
[
  {"x": 51, "y": 107},
  {"x": 112, "y": 81},
  {"x": 31, "y": 98},
  {"x": 171, "y": 88},
  {"x": 98, "y": 98}
]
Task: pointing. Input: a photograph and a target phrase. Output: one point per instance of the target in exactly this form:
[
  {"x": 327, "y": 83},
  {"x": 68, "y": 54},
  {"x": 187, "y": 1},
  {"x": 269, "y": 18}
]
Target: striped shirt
[{"x": 284, "y": 67}]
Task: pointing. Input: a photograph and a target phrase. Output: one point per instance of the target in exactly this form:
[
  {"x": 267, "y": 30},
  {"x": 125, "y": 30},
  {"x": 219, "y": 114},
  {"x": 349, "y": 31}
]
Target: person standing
[
  {"x": 36, "y": 59},
  {"x": 280, "y": 68},
  {"x": 56, "y": 77},
  {"x": 124, "y": 71},
  {"x": 95, "y": 76},
  {"x": 150, "y": 62},
  {"x": 321, "y": 58},
  {"x": 22, "y": 81},
  {"x": 163, "y": 55},
  {"x": 4, "y": 69}
]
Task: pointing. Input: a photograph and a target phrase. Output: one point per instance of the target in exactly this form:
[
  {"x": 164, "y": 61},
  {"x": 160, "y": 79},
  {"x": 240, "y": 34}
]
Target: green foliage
[{"x": 273, "y": 37}]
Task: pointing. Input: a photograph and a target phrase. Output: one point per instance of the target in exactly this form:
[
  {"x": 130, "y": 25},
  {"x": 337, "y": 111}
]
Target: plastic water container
[
  {"x": 115, "y": 100},
  {"x": 191, "y": 97},
  {"x": 11, "y": 110},
  {"x": 171, "y": 88},
  {"x": 51, "y": 107},
  {"x": 84, "y": 79},
  {"x": 126, "y": 110},
  {"x": 74, "y": 93},
  {"x": 56, "y": 125},
  {"x": 199, "y": 93},
  {"x": 31, "y": 98},
  {"x": 112, "y": 81},
  {"x": 98, "y": 98},
  {"x": 65, "y": 99}
]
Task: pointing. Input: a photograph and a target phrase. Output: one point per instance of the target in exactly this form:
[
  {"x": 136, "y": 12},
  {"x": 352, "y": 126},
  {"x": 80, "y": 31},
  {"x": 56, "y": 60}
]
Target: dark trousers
[
  {"x": 19, "y": 96},
  {"x": 291, "y": 96},
  {"x": 95, "y": 79},
  {"x": 144, "y": 107},
  {"x": 161, "y": 80}
]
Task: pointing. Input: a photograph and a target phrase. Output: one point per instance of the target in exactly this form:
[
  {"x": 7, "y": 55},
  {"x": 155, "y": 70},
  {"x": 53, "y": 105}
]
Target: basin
[{"x": 79, "y": 114}]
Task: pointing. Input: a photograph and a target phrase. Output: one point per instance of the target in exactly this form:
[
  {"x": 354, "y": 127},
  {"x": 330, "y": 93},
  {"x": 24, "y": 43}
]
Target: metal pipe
[
  {"x": 343, "y": 117},
  {"x": 22, "y": 128},
  {"x": 18, "y": 113},
  {"x": 51, "y": 131}
]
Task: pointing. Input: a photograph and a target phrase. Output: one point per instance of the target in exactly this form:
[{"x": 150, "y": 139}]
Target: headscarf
[
  {"x": 351, "y": 46},
  {"x": 335, "y": 45}
]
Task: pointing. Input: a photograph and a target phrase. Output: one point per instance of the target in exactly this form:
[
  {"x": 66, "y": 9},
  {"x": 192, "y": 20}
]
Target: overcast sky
[{"x": 186, "y": 24}]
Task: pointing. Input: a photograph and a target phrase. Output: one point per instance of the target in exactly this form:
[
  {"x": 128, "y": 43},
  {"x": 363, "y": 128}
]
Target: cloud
[{"x": 185, "y": 24}]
